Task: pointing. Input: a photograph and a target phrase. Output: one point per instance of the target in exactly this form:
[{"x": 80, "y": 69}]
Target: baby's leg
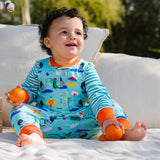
[
  {"x": 33, "y": 138},
  {"x": 25, "y": 122},
  {"x": 30, "y": 134},
  {"x": 136, "y": 133}
]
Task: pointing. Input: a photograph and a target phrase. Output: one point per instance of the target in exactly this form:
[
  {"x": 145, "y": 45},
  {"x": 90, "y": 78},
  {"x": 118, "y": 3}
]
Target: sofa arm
[{"x": 134, "y": 82}]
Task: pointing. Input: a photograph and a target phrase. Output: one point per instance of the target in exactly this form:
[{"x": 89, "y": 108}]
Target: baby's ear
[{"x": 47, "y": 42}]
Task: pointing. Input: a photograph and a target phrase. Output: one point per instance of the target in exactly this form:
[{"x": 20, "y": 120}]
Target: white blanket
[{"x": 79, "y": 149}]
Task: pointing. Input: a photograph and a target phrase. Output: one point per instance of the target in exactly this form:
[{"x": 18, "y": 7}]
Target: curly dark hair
[{"x": 50, "y": 17}]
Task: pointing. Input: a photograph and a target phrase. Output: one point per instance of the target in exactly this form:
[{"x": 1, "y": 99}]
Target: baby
[{"x": 71, "y": 101}]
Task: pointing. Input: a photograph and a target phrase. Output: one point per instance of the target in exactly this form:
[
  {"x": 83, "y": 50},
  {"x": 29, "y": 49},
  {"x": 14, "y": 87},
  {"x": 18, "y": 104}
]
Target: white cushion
[
  {"x": 18, "y": 36},
  {"x": 93, "y": 43},
  {"x": 134, "y": 82},
  {"x": 19, "y": 49}
]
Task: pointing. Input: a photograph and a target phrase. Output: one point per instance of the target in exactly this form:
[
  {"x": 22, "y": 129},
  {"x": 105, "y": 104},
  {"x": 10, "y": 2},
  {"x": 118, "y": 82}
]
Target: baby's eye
[
  {"x": 64, "y": 32},
  {"x": 78, "y": 33}
]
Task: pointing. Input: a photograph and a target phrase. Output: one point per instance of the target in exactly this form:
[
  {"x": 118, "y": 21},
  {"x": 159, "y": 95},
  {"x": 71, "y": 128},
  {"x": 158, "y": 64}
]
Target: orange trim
[
  {"x": 104, "y": 114},
  {"x": 27, "y": 99},
  {"x": 53, "y": 63},
  {"x": 125, "y": 123},
  {"x": 31, "y": 129}
]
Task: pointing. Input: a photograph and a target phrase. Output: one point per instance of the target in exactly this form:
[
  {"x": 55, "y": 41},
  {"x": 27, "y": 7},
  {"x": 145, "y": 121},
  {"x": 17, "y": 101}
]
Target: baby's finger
[
  {"x": 12, "y": 103},
  {"x": 122, "y": 127},
  {"x": 15, "y": 104},
  {"x": 7, "y": 94},
  {"x": 116, "y": 124},
  {"x": 107, "y": 123},
  {"x": 104, "y": 128}
]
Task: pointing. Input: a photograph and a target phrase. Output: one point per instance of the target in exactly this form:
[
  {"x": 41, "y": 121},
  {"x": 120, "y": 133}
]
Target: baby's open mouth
[{"x": 71, "y": 44}]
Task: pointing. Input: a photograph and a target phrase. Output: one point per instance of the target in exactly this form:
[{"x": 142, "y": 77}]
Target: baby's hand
[
  {"x": 109, "y": 122},
  {"x": 10, "y": 101}
]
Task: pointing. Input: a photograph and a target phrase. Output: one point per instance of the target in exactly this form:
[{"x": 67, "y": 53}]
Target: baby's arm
[
  {"x": 101, "y": 102},
  {"x": 31, "y": 83},
  {"x": 97, "y": 93}
]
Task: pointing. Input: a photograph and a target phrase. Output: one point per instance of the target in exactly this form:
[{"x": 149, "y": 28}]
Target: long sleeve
[
  {"x": 31, "y": 83},
  {"x": 99, "y": 98}
]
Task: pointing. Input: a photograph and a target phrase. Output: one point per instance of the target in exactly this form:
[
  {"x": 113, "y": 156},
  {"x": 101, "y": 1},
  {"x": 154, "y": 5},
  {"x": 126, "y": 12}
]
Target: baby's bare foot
[
  {"x": 137, "y": 133},
  {"x": 33, "y": 138}
]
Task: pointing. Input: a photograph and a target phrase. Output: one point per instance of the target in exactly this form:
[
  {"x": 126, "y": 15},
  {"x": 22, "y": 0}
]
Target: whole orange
[
  {"x": 17, "y": 95},
  {"x": 113, "y": 133}
]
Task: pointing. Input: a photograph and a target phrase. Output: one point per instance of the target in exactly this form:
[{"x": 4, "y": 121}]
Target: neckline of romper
[{"x": 53, "y": 63}]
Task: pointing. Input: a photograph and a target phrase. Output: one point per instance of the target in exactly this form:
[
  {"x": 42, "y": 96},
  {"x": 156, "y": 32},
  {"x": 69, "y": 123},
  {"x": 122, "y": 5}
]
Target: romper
[{"x": 67, "y": 98}]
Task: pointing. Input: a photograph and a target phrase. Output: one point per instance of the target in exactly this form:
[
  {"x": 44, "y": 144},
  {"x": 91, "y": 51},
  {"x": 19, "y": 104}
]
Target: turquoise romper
[{"x": 67, "y": 101}]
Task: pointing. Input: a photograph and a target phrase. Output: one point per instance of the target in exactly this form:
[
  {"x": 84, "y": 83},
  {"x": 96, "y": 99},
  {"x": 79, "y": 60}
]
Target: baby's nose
[{"x": 72, "y": 36}]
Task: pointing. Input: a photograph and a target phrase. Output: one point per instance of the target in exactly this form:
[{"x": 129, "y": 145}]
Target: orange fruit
[
  {"x": 113, "y": 133},
  {"x": 17, "y": 95},
  {"x": 102, "y": 137}
]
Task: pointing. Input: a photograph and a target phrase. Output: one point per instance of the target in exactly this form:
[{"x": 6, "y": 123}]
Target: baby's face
[{"x": 65, "y": 38}]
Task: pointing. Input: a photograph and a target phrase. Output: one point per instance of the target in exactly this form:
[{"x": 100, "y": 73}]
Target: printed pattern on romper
[{"x": 63, "y": 109}]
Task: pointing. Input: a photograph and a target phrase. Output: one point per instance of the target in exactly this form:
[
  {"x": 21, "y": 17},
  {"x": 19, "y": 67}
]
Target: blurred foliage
[
  {"x": 139, "y": 32},
  {"x": 99, "y": 13},
  {"x": 134, "y": 24}
]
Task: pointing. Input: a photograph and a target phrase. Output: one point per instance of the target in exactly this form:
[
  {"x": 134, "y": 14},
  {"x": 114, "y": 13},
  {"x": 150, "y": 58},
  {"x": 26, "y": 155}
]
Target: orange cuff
[
  {"x": 31, "y": 129},
  {"x": 27, "y": 99},
  {"x": 104, "y": 114},
  {"x": 125, "y": 123}
]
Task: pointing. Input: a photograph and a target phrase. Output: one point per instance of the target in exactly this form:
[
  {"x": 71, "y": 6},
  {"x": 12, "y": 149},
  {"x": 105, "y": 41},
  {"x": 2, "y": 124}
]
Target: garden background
[{"x": 134, "y": 24}]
